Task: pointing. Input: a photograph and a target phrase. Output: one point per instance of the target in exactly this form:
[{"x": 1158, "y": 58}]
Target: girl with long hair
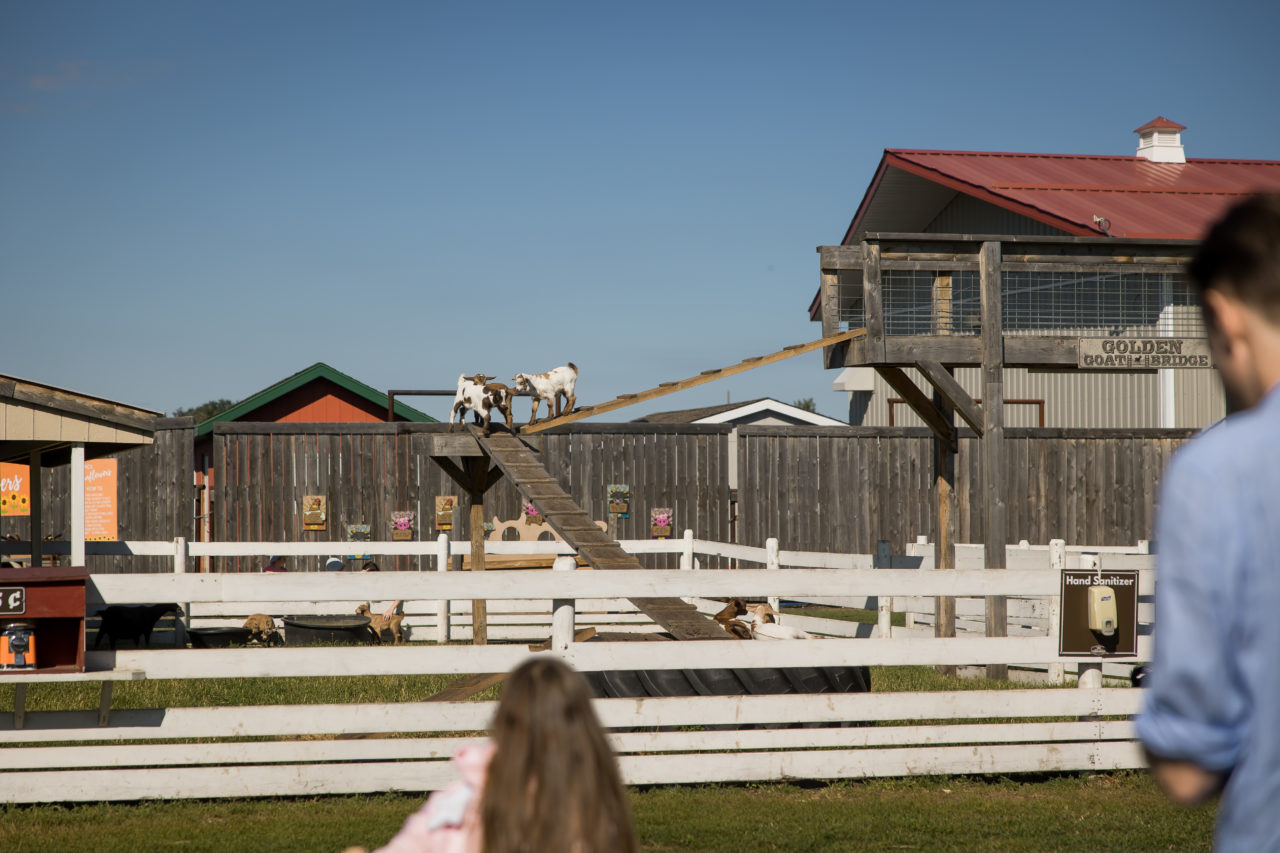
[{"x": 547, "y": 781}]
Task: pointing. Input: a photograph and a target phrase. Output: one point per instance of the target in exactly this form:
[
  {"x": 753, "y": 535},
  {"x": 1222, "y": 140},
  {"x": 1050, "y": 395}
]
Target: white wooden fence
[{"x": 119, "y": 755}]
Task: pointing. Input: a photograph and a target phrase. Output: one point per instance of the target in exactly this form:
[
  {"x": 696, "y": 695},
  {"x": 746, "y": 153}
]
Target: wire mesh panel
[
  {"x": 851, "y": 305},
  {"x": 1071, "y": 303},
  {"x": 1099, "y": 304},
  {"x": 931, "y": 302}
]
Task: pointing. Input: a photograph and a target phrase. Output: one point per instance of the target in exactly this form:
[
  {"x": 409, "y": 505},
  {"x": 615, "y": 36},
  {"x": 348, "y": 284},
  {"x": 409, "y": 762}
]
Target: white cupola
[{"x": 1160, "y": 141}]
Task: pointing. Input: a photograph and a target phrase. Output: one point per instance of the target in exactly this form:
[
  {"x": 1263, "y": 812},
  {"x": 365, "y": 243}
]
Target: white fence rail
[{"x": 96, "y": 755}]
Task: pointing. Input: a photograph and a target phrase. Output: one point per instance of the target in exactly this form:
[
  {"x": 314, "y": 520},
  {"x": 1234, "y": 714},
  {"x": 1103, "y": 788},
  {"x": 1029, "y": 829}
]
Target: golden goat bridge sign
[{"x": 1143, "y": 353}]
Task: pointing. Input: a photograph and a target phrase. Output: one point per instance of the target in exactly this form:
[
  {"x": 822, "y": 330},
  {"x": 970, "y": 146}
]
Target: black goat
[{"x": 131, "y": 622}]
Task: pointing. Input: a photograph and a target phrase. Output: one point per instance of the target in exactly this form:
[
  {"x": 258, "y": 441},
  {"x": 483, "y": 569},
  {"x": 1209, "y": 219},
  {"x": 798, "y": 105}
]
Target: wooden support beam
[
  {"x": 922, "y": 405},
  {"x": 944, "y": 465},
  {"x": 949, "y": 390},
  {"x": 834, "y": 355},
  {"x": 478, "y": 472},
  {"x": 840, "y": 257},
  {"x": 873, "y": 298},
  {"x": 453, "y": 470},
  {"x": 995, "y": 531}
]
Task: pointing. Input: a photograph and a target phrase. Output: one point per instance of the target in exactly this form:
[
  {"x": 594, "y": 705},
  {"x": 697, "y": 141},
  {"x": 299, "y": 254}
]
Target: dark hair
[
  {"x": 1241, "y": 255},
  {"x": 370, "y": 566},
  {"x": 553, "y": 784}
]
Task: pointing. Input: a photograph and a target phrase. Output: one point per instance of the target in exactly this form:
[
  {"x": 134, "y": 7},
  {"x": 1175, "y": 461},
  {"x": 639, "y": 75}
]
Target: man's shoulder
[{"x": 1238, "y": 444}]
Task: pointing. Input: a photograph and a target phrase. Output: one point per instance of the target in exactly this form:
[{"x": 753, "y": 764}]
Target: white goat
[
  {"x": 550, "y": 386},
  {"x": 481, "y": 396},
  {"x": 766, "y": 626}
]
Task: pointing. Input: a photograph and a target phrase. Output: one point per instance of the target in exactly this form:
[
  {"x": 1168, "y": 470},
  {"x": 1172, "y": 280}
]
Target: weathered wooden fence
[
  {"x": 155, "y": 491},
  {"x": 837, "y": 490},
  {"x": 369, "y": 471},
  {"x": 842, "y": 490},
  {"x": 275, "y": 750}
]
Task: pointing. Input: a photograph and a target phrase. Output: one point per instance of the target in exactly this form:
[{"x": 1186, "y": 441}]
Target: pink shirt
[{"x": 449, "y": 822}]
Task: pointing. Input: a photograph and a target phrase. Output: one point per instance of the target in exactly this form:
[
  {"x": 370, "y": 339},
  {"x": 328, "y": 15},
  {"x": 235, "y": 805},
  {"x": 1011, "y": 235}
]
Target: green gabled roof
[{"x": 319, "y": 370}]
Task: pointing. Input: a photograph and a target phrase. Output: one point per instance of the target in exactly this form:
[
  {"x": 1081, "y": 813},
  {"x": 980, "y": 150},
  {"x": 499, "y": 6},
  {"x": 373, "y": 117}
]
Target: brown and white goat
[
  {"x": 550, "y": 386},
  {"x": 481, "y": 396},
  {"x": 379, "y": 623}
]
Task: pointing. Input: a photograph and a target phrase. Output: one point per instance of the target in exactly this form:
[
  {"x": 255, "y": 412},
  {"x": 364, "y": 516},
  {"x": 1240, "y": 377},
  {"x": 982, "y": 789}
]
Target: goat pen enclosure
[
  {"x": 814, "y": 488},
  {"x": 186, "y": 750}
]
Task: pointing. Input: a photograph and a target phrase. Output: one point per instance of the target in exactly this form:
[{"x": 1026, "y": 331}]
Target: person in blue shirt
[{"x": 1211, "y": 719}]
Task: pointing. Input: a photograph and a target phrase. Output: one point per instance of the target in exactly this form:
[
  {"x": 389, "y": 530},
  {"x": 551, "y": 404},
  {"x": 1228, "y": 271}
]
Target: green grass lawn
[
  {"x": 1069, "y": 812},
  {"x": 1059, "y": 812}
]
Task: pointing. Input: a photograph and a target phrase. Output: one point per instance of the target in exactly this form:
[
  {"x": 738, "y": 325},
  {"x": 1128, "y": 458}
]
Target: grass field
[
  {"x": 1062, "y": 812},
  {"x": 1120, "y": 811}
]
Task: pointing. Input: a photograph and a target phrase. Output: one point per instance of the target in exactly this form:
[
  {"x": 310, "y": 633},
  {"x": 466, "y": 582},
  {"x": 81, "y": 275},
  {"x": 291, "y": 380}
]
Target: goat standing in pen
[
  {"x": 550, "y": 386},
  {"x": 131, "y": 622}
]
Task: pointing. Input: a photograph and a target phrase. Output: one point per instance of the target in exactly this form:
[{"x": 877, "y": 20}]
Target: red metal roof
[
  {"x": 1136, "y": 197},
  {"x": 1161, "y": 123}
]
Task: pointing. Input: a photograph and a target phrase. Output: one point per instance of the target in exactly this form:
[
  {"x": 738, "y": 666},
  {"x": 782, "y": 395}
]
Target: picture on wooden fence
[
  {"x": 402, "y": 525},
  {"x": 620, "y": 500},
  {"x": 444, "y": 511},
  {"x": 660, "y": 518},
  {"x": 314, "y": 510}
]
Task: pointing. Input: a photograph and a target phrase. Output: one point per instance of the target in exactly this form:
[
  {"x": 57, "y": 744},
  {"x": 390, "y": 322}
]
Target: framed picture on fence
[
  {"x": 660, "y": 522},
  {"x": 402, "y": 525},
  {"x": 314, "y": 512},
  {"x": 445, "y": 505},
  {"x": 358, "y": 533},
  {"x": 620, "y": 500}
]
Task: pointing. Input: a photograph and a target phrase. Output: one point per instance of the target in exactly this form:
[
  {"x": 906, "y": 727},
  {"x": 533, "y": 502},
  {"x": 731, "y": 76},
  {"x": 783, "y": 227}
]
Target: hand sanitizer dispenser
[{"x": 1102, "y": 610}]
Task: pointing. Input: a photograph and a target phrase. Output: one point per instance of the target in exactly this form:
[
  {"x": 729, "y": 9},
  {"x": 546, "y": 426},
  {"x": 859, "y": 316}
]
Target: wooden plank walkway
[
  {"x": 520, "y": 464},
  {"x": 705, "y": 376}
]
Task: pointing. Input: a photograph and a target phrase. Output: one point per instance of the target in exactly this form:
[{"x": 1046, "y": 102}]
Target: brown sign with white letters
[{"x": 1074, "y": 636}]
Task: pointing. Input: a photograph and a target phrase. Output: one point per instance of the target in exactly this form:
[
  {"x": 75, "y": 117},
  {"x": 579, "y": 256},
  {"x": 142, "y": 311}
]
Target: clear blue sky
[{"x": 200, "y": 199}]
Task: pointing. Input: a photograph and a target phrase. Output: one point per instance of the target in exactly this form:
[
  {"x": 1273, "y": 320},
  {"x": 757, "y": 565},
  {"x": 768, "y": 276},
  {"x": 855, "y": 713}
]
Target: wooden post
[
  {"x": 771, "y": 562},
  {"x": 34, "y": 466},
  {"x": 478, "y": 468},
  {"x": 1090, "y": 671},
  {"x": 442, "y": 605},
  {"x": 942, "y": 313},
  {"x": 77, "y": 504},
  {"x": 562, "y": 610},
  {"x": 884, "y": 603},
  {"x": 944, "y": 466},
  {"x": 873, "y": 300},
  {"x": 1057, "y": 562},
  {"x": 995, "y": 532},
  {"x": 183, "y": 620},
  {"x": 686, "y": 554}
]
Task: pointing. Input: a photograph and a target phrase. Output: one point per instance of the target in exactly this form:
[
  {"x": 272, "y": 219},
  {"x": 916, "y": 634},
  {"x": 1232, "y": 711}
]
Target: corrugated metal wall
[
  {"x": 1071, "y": 399},
  {"x": 1199, "y": 398}
]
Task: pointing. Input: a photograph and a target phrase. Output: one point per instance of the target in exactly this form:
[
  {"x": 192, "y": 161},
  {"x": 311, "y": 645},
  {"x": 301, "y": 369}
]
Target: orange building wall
[{"x": 320, "y": 401}]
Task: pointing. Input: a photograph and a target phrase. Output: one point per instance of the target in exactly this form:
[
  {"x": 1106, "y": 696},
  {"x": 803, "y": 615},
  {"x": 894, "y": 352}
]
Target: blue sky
[{"x": 200, "y": 199}]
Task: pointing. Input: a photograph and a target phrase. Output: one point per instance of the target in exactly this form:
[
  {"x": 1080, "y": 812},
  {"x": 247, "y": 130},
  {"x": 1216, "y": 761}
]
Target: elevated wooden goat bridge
[{"x": 476, "y": 461}]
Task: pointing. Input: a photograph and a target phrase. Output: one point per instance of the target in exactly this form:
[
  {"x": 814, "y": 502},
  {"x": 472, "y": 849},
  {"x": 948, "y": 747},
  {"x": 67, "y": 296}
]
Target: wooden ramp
[
  {"x": 705, "y": 376},
  {"x": 520, "y": 464}
]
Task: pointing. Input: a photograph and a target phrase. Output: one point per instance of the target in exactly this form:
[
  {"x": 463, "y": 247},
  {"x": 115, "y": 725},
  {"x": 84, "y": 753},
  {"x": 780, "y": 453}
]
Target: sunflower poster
[{"x": 15, "y": 490}]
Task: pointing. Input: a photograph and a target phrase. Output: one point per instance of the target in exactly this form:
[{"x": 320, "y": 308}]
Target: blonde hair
[{"x": 553, "y": 785}]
